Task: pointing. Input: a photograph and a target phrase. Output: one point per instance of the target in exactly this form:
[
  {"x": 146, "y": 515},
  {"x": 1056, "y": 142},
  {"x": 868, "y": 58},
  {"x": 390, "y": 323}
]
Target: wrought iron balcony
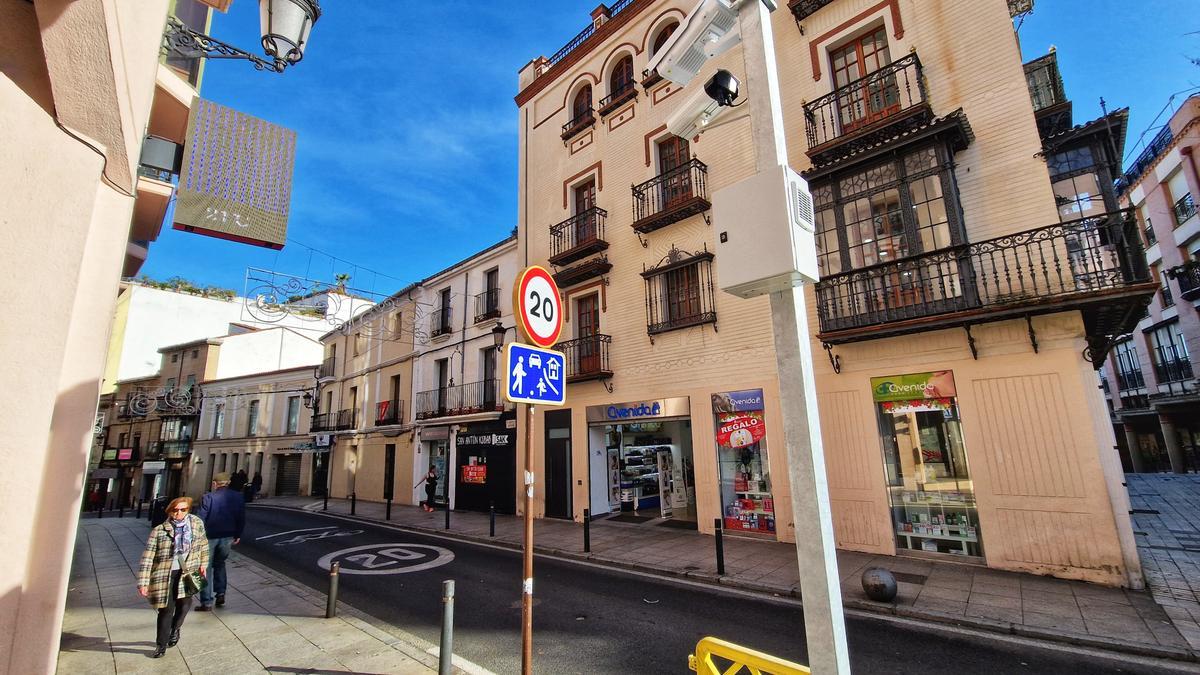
[
  {"x": 1170, "y": 366},
  {"x": 610, "y": 103},
  {"x": 171, "y": 449},
  {"x": 1092, "y": 264},
  {"x": 583, "y": 120},
  {"x": 670, "y": 197},
  {"x": 462, "y": 399},
  {"x": 1157, "y": 146},
  {"x": 578, "y": 237},
  {"x": 577, "y": 41},
  {"x": 340, "y": 420},
  {"x": 1130, "y": 379},
  {"x": 868, "y": 109},
  {"x": 1151, "y": 238},
  {"x": 587, "y": 358},
  {"x": 439, "y": 323},
  {"x": 487, "y": 305},
  {"x": 802, "y": 9},
  {"x": 1187, "y": 276},
  {"x": 589, "y": 269},
  {"x": 1184, "y": 208},
  {"x": 389, "y": 412},
  {"x": 680, "y": 292},
  {"x": 328, "y": 369}
]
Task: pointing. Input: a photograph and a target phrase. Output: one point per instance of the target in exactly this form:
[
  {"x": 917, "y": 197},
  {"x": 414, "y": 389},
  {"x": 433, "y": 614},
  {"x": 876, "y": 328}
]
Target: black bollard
[
  {"x": 325, "y": 506},
  {"x": 492, "y": 514},
  {"x": 139, "y": 509},
  {"x": 388, "y": 516},
  {"x": 587, "y": 531},
  {"x": 331, "y": 597},
  {"x": 446, "y": 649},
  {"x": 121, "y": 511},
  {"x": 720, "y": 548},
  {"x": 100, "y": 511},
  {"x": 353, "y": 502},
  {"x": 447, "y": 512}
]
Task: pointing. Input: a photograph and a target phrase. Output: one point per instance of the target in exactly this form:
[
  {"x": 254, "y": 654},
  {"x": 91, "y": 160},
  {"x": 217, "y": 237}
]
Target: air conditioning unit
[{"x": 765, "y": 234}]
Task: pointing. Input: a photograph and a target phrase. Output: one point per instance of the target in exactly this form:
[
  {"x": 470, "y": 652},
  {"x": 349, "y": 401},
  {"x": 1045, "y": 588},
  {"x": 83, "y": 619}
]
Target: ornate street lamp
[
  {"x": 498, "y": 333},
  {"x": 286, "y": 25}
]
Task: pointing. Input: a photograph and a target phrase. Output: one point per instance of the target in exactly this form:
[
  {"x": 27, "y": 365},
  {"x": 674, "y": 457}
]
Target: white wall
[{"x": 275, "y": 349}]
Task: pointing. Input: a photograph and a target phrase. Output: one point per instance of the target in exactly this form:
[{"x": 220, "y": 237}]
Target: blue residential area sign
[{"x": 535, "y": 375}]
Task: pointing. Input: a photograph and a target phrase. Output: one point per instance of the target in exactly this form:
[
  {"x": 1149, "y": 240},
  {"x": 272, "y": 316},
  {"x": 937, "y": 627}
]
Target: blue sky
[{"x": 407, "y": 130}]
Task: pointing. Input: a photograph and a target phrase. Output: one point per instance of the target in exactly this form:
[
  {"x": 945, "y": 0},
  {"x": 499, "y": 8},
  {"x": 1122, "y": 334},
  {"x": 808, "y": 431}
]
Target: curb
[{"x": 1115, "y": 645}]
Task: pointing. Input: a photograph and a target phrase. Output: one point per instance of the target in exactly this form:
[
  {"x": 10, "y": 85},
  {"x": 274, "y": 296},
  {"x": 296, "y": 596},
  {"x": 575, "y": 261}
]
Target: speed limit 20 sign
[{"x": 538, "y": 309}]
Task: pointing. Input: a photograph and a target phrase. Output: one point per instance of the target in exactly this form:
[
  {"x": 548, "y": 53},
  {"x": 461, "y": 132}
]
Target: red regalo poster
[
  {"x": 738, "y": 430},
  {"x": 475, "y": 473}
]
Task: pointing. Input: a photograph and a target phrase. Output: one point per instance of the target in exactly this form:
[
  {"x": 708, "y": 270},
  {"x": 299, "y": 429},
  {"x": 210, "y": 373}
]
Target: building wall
[
  {"x": 56, "y": 201},
  {"x": 1054, "y": 515}
]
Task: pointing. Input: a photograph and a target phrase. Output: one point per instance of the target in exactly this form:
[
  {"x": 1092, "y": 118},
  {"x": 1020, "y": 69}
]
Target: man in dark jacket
[{"x": 224, "y": 514}]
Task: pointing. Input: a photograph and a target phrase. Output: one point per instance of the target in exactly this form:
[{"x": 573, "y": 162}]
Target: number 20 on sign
[{"x": 539, "y": 310}]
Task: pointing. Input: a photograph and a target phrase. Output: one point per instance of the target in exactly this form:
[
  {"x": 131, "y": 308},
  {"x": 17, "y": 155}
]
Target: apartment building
[
  {"x": 258, "y": 423},
  {"x": 972, "y": 257},
  {"x": 1150, "y": 375},
  {"x": 414, "y": 383}
]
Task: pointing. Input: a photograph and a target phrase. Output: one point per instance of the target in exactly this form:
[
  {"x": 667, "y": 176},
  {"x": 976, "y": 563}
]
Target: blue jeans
[{"x": 218, "y": 552}]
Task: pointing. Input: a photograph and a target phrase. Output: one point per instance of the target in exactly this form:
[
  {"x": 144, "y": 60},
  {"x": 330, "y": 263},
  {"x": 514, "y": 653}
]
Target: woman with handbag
[{"x": 173, "y": 569}]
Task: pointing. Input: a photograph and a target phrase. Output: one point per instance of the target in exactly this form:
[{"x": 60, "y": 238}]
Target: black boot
[
  {"x": 174, "y": 638},
  {"x": 159, "y": 651}
]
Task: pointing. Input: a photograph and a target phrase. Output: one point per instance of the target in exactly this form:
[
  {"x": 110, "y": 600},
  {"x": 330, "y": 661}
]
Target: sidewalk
[
  {"x": 269, "y": 622},
  {"x": 1039, "y": 607},
  {"x": 1166, "y": 522}
]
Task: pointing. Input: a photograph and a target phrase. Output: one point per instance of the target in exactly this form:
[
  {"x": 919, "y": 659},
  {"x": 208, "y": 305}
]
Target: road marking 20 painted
[{"x": 397, "y": 558}]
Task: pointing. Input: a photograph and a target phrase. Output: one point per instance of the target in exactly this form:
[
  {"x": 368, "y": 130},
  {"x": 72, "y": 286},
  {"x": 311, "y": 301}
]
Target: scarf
[{"x": 183, "y": 537}]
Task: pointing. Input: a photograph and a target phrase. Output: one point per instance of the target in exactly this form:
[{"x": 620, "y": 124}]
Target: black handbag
[{"x": 193, "y": 582}]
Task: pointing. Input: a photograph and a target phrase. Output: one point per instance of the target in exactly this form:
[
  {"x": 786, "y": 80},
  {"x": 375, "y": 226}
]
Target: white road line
[{"x": 307, "y": 529}]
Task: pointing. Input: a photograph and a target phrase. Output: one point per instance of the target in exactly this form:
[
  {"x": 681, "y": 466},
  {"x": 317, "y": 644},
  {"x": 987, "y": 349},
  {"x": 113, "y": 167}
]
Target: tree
[{"x": 340, "y": 280}]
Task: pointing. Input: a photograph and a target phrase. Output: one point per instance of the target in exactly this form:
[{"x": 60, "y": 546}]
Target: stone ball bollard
[{"x": 879, "y": 584}]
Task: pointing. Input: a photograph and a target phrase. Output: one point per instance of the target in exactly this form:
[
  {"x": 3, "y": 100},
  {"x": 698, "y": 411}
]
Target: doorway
[{"x": 558, "y": 464}]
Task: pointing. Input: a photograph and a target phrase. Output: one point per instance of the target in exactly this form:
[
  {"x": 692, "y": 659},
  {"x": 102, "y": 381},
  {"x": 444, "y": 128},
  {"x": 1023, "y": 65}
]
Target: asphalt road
[{"x": 588, "y": 619}]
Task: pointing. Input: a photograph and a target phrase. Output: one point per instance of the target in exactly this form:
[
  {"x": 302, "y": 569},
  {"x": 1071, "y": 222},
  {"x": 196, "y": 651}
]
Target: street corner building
[{"x": 976, "y": 268}]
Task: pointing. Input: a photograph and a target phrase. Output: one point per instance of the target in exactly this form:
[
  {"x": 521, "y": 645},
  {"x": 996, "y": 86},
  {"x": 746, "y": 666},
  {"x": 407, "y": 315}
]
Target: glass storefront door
[
  {"x": 930, "y": 492},
  {"x": 747, "y": 501}
]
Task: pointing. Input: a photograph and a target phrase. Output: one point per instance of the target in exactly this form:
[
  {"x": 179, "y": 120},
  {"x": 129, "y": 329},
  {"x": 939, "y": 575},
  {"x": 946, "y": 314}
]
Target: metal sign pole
[{"x": 527, "y": 550}]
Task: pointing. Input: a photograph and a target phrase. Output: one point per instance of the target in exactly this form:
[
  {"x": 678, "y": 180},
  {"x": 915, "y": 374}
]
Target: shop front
[
  {"x": 486, "y": 459},
  {"x": 640, "y": 461},
  {"x": 433, "y": 452},
  {"x": 747, "y": 500},
  {"x": 930, "y": 492}
]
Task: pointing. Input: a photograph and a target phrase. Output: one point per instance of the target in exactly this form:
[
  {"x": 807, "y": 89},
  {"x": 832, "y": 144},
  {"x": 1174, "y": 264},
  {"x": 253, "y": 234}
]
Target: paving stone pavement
[
  {"x": 268, "y": 624},
  {"x": 1166, "y": 523},
  {"x": 945, "y": 592}
]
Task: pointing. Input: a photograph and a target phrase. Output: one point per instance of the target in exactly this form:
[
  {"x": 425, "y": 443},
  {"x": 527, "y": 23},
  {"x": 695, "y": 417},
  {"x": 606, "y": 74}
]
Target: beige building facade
[{"x": 962, "y": 287}]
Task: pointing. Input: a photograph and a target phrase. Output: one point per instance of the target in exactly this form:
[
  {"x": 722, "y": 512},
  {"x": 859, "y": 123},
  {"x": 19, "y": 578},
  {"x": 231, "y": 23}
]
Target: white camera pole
[{"x": 820, "y": 588}]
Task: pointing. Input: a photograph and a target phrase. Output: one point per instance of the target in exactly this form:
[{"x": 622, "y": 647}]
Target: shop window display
[
  {"x": 746, "y": 498},
  {"x": 649, "y": 469},
  {"x": 930, "y": 491}
]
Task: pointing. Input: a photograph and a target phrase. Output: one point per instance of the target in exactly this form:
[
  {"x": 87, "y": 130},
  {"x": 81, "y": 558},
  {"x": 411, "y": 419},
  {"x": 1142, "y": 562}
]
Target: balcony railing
[
  {"x": 439, "y": 323},
  {"x": 1169, "y": 366},
  {"x": 1187, "y": 276},
  {"x": 801, "y": 9},
  {"x": 1184, "y": 208},
  {"x": 171, "y": 449},
  {"x": 327, "y": 369},
  {"x": 868, "y": 103},
  {"x": 1130, "y": 379},
  {"x": 625, "y": 93},
  {"x": 462, "y": 399},
  {"x": 1047, "y": 267},
  {"x": 389, "y": 412},
  {"x": 340, "y": 420},
  {"x": 1168, "y": 298},
  {"x": 578, "y": 237},
  {"x": 587, "y": 357},
  {"x": 671, "y": 196},
  {"x": 586, "y": 33},
  {"x": 1151, "y": 238},
  {"x": 1157, "y": 146},
  {"x": 487, "y": 305},
  {"x": 581, "y": 121}
]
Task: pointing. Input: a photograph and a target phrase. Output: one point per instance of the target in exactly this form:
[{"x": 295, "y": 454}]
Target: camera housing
[{"x": 703, "y": 107}]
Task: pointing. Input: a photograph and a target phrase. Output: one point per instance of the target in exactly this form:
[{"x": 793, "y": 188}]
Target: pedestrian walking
[
  {"x": 256, "y": 484},
  {"x": 224, "y": 514},
  {"x": 238, "y": 480},
  {"x": 430, "y": 480},
  {"x": 176, "y": 552}
]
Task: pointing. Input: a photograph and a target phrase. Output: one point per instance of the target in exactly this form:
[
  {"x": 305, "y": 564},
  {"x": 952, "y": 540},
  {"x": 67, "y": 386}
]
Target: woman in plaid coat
[{"x": 177, "y": 547}]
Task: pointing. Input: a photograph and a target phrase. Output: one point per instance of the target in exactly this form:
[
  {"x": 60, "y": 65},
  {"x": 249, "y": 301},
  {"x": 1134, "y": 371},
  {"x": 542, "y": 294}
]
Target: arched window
[
  {"x": 583, "y": 102},
  {"x": 661, "y": 38},
  {"x": 622, "y": 75}
]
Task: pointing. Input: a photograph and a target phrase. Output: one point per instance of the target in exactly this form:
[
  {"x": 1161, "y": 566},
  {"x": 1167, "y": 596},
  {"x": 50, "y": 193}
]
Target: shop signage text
[
  {"x": 641, "y": 410},
  {"x": 475, "y": 473},
  {"x": 738, "y": 401},
  {"x": 109, "y": 454},
  {"x": 154, "y": 467},
  {"x": 740, "y": 430},
  {"x": 125, "y": 453},
  {"x": 679, "y": 406},
  {"x": 938, "y": 384},
  {"x": 484, "y": 439}
]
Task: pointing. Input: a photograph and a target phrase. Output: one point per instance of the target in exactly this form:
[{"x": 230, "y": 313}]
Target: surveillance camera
[
  {"x": 709, "y": 30},
  {"x": 698, "y": 112}
]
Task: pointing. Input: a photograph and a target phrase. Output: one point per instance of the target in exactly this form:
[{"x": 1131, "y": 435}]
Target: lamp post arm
[{"x": 183, "y": 41}]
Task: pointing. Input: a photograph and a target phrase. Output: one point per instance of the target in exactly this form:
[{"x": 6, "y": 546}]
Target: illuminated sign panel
[{"x": 236, "y": 181}]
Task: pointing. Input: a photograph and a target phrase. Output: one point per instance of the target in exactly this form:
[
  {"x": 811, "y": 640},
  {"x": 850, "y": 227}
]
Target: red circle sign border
[{"x": 519, "y": 304}]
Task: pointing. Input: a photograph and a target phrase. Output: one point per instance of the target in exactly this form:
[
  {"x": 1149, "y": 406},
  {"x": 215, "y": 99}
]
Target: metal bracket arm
[{"x": 180, "y": 40}]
